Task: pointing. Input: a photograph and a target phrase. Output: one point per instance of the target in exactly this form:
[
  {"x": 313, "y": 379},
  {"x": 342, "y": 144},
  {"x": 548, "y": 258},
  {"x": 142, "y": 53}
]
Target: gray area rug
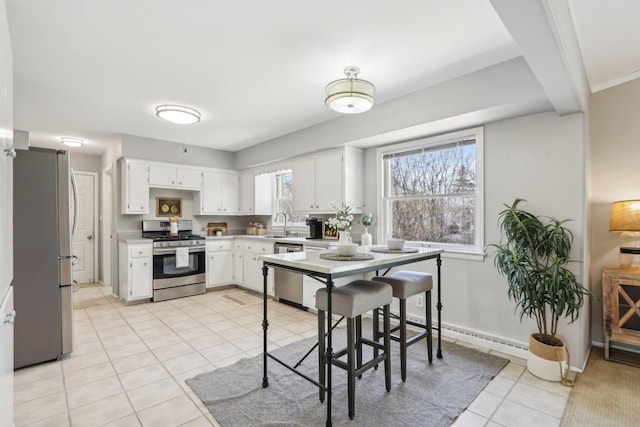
[{"x": 434, "y": 394}]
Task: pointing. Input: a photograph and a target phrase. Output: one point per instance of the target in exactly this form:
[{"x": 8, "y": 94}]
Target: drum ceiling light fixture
[
  {"x": 72, "y": 142},
  {"x": 178, "y": 114},
  {"x": 350, "y": 95}
]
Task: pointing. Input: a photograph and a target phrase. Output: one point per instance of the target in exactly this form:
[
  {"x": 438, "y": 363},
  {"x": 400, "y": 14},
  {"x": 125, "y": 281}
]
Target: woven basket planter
[{"x": 548, "y": 362}]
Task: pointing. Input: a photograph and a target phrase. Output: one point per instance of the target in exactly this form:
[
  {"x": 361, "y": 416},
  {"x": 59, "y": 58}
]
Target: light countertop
[
  {"x": 310, "y": 260},
  {"x": 135, "y": 238}
]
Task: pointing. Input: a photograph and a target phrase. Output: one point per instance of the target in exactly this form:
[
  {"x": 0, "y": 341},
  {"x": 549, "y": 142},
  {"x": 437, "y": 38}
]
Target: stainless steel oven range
[{"x": 178, "y": 261}]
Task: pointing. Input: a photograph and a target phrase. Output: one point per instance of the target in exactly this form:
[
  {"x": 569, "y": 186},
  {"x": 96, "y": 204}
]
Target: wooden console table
[{"x": 621, "y": 306}]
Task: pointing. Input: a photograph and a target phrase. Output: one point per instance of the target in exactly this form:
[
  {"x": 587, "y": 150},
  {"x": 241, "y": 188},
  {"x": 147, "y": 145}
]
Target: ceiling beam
[{"x": 544, "y": 32}]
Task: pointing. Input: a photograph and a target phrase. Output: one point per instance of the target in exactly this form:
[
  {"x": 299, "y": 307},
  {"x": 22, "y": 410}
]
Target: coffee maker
[{"x": 315, "y": 228}]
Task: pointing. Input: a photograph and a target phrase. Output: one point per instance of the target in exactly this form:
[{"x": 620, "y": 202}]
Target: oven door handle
[{"x": 167, "y": 251}]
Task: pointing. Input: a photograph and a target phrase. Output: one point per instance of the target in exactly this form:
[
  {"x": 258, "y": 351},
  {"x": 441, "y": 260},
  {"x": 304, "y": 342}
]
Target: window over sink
[
  {"x": 283, "y": 200},
  {"x": 432, "y": 191}
]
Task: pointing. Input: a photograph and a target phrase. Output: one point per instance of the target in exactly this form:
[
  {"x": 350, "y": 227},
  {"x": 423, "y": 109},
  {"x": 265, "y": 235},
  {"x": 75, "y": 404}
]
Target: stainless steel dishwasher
[{"x": 288, "y": 285}]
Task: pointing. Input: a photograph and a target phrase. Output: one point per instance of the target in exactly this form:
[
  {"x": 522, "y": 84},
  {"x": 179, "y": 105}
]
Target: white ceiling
[
  {"x": 609, "y": 37},
  {"x": 256, "y": 70}
]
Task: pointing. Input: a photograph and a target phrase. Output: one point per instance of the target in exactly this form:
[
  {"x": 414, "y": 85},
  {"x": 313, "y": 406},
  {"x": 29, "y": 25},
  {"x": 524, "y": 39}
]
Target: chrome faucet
[{"x": 285, "y": 221}]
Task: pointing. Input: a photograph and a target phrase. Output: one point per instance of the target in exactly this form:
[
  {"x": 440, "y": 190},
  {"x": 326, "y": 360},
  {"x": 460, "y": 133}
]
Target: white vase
[
  {"x": 365, "y": 239},
  {"x": 343, "y": 237}
]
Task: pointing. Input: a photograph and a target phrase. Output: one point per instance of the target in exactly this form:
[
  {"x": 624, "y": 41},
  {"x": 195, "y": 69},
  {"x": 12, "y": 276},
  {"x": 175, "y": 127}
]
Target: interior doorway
[
  {"x": 106, "y": 227},
  {"x": 85, "y": 241}
]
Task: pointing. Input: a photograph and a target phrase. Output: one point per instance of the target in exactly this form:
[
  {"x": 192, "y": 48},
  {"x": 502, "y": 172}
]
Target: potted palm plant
[{"x": 533, "y": 255}]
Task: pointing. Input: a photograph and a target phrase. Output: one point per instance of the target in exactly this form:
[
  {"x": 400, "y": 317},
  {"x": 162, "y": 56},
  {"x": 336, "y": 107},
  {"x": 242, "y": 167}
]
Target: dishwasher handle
[{"x": 283, "y": 248}]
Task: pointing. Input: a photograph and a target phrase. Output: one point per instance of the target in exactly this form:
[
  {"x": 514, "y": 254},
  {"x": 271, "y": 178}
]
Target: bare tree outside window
[
  {"x": 430, "y": 193},
  {"x": 284, "y": 199}
]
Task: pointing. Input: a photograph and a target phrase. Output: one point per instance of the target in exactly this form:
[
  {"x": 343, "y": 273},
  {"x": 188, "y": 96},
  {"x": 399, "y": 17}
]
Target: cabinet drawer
[
  {"x": 259, "y": 247},
  {"x": 238, "y": 245},
  {"x": 221, "y": 245},
  {"x": 138, "y": 251}
]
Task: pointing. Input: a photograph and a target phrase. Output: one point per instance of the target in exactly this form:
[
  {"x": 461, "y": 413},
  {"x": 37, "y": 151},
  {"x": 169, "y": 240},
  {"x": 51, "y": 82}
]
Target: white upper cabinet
[
  {"x": 189, "y": 178},
  {"x": 335, "y": 176},
  {"x": 219, "y": 195},
  {"x": 168, "y": 176},
  {"x": 262, "y": 194},
  {"x": 247, "y": 199},
  {"x": 135, "y": 187}
]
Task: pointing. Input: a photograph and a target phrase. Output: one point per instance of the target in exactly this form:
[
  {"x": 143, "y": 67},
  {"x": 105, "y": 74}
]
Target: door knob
[{"x": 90, "y": 236}]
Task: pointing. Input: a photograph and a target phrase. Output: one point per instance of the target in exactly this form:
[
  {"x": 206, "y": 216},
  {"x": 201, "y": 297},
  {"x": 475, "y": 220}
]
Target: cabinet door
[
  {"x": 252, "y": 271},
  {"x": 309, "y": 288},
  {"x": 230, "y": 193},
  {"x": 163, "y": 176},
  {"x": 140, "y": 278},
  {"x": 262, "y": 194},
  {"x": 212, "y": 183},
  {"x": 219, "y": 268},
  {"x": 189, "y": 178},
  {"x": 329, "y": 182},
  {"x": 253, "y": 278},
  {"x": 211, "y": 265},
  {"x": 138, "y": 188},
  {"x": 238, "y": 267},
  {"x": 246, "y": 192},
  {"x": 303, "y": 173}
]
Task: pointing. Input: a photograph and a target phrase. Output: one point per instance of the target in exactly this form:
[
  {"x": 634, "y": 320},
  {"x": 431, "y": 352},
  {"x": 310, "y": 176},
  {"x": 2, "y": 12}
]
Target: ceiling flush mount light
[
  {"x": 72, "y": 142},
  {"x": 350, "y": 95},
  {"x": 178, "y": 114}
]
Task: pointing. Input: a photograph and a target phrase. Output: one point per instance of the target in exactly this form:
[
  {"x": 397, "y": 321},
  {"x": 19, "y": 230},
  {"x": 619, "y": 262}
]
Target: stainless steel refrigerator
[{"x": 43, "y": 189}]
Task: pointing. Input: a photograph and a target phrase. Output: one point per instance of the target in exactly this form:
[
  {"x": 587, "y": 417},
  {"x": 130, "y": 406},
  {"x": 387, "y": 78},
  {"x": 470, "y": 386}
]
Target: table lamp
[{"x": 625, "y": 219}]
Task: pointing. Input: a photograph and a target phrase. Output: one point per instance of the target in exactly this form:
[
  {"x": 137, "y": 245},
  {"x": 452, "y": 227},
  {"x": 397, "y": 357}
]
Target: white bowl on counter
[
  {"x": 346, "y": 249},
  {"x": 395, "y": 244}
]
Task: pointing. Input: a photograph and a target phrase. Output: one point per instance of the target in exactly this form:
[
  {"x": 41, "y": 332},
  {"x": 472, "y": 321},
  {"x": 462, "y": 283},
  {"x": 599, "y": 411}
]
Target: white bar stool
[
  {"x": 406, "y": 284},
  {"x": 351, "y": 301}
]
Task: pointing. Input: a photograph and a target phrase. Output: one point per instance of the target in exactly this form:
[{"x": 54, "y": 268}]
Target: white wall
[
  {"x": 86, "y": 162},
  {"x": 172, "y": 152},
  {"x": 614, "y": 175},
  {"x": 538, "y": 158},
  {"x": 502, "y": 91}
]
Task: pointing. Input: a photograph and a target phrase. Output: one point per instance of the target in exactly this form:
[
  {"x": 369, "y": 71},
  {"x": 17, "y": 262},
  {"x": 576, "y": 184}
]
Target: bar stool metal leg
[
  {"x": 403, "y": 339},
  {"x": 351, "y": 369},
  {"x": 359, "y": 343},
  {"x": 321, "y": 359},
  {"x": 387, "y": 346},
  {"x": 427, "y": 304}
]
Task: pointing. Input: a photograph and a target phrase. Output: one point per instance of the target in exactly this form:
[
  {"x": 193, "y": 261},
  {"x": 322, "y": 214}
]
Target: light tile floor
[{"x": 130, "y": 363}]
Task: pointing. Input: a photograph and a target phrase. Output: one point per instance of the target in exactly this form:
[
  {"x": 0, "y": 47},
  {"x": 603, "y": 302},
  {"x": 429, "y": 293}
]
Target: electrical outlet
[{"x": 420, "y": 301}]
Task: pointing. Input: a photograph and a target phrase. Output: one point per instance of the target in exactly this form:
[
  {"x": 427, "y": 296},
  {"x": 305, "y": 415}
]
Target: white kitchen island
[{"x": 326, "y": 271}]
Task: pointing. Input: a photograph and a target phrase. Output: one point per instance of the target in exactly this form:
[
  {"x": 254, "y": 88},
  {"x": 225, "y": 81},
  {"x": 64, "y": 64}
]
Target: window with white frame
[
  {"x": 283, "y": 200},
  {"x": 432, "y": 191}
]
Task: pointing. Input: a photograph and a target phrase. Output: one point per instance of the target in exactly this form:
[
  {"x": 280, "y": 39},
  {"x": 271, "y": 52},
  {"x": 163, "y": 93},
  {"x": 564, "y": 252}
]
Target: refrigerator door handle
[{"x": 76, "y": 208}]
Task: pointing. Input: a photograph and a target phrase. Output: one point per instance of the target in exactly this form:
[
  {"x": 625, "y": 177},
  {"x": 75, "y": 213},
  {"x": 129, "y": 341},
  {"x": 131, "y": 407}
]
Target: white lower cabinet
[
  {"x": 219, "y": 263},
  {"x": 136, "y": 271},
  {"x": 310, "y": 286},
  {"x": 252, "y": 266},
  {"x": 238, "y": 262}
]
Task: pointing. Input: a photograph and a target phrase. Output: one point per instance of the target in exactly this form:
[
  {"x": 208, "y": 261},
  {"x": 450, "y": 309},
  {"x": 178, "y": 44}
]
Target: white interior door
[{"x": 84, "y": 242}]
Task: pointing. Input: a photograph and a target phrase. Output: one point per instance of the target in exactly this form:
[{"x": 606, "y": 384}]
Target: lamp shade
[
  {"x": 350, "y": 95},
  {"x": 625, "y": 216}
]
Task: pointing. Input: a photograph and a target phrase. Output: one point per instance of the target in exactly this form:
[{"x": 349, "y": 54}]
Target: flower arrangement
[{"x": 343, "y": 219}]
